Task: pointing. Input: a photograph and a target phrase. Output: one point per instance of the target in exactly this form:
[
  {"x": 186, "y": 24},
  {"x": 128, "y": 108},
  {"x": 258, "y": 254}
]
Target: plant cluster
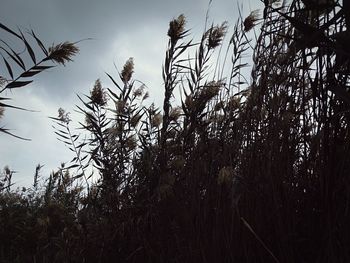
[{"x": 237, "y": 171}]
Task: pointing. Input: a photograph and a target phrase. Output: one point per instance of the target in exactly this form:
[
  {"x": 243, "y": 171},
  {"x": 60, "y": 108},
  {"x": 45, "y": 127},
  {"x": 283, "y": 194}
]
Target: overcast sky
[{"x": 119, "y": 30}]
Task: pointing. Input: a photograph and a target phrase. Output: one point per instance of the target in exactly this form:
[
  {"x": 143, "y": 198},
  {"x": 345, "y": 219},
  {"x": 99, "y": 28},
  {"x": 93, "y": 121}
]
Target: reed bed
[{"x": 236, "y": 170}]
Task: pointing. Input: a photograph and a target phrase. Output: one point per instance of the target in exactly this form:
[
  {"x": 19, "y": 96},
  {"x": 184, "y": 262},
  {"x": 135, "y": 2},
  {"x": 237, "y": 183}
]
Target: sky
[{"x": 117, "y": 30}]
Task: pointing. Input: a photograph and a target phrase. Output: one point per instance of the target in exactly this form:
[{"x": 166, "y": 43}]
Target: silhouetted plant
[{"x": 19, "y": 71}]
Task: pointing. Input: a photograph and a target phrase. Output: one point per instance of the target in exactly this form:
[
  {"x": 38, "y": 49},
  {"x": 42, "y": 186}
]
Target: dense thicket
[{"x": 241, "y": 171}]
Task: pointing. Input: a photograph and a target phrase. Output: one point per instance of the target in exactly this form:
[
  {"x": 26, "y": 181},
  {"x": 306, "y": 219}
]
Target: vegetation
[
  {"x": 239, "y": 171},
  {"x": 18, "y": 72}
]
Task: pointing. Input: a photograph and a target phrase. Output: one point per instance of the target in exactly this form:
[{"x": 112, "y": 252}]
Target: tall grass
[
  {"x": 19, "y": 71},
  {"x": 238, "y": 171}
]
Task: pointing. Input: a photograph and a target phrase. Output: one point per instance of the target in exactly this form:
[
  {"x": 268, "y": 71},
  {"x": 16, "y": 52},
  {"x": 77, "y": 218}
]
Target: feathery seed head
[
  {"x": 175, "y": 113},
  {"x": 250, "y": 21},
  {"x": 145, "y": 96},
  {"x": 120, "y": 106},
  {"x": 113, "y": 132},
  {"x": 156, "y": 120},
  {"x": 131, "y": 142},
  {"x": 246, "y": 93},
  {"x": 216, "y": 34},
  {"x": 128, "y": 70},
  {"x": 234, "y": 103},
  {"x": 177, "y": 28},
  {"x": 210, "y": 90},
  {"x": 225, "y": 175},
  {"x": 98, "y": 95},
  {"x": 63, "y": 116},
  {"x": 62, "y": 52},
  {"x": 139, "y": 91}
]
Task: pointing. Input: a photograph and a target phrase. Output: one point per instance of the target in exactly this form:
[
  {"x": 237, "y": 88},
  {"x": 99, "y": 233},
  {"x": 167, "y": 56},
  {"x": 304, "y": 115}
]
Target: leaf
[
  {"x": 56, "y": 119},
  {"x": 65, "y": 142},
  {"x": 14, "y": 107},
  {"x": 72, "y": 166},
  {"x": 27, "y": 74},
  {"x": 40, "y": 44},
  {"x": 29, "y": 48},
  {"x": 42, "y": 67},
  {"x": 182, "y": 66},
  {"x": 259, "y": 239},
  {"x": 190, "y": 86},
  {"x": 19, "y": 59},
  {"x": 114, "y": 94},
  {"x": 85, "y": 104},
  {"x": 8, "y": 68},
  {"x": 14, "y": 58},
  {"x": 82, "y": 159},
  {"x": 9, "y": 30},
  {"x": 63, "y": 136},
  {"x": 114, "y": 82},
  {"x": 81, "y": 145},
  {"x": 17, "y": 84},
  {"x": 90, "y": 175},
  {"x": 16, "y": 136}
]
